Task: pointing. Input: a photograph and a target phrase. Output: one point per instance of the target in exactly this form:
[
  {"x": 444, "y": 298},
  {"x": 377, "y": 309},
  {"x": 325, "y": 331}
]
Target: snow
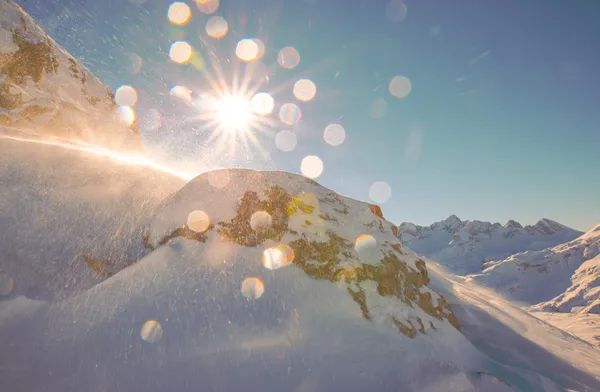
[
  {"x": 565, "y": 277},
  {"x": 58, "y": 203},
  {"x": 585, "y": 326},
  {"x": 464, "y": 247},
  {"x": 48, "y": 92}
]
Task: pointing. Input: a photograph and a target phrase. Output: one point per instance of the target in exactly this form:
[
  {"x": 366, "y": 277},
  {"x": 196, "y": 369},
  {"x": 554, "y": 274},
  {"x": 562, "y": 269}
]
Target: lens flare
[
  {"x": 262, "y": 104},
  {"x": 181, "y": 92},
  {"x": 364, "y": 240},
  {"x": 289, "y": 113},
  {"x": 334, "y": 134},
  {"x": 127, "y": 114},
  {"x": 7, "y": 284},
  {"x": 396, "y": 11},
  {"x": 180, "y": 52},
  {"x": 305, "y": 90},
  {"x": 380, "y": 192},
  {"x": 253, "y": 288},
  {"x": 260, "y": 220},
  {"x": 179, "y": 13},
  {"x": 216, "y": 27},
  {"x": 208, "y": 7},
  {"x": 219, "y": 178},
  {"x": 280, "y": 256},
  {"x": 198, "y": 221},
  {"x": 311, "y": 166},
  {"x": 286, "y": 140},
  {"x": 126, "y": 96},
  {"x": 378, "y": 108},
  {"x": 288, "y": 57},
  {"x": 246, "y": 50},
  {"x": 151, "y": 331},
  {"x": 400, "y": 87}
]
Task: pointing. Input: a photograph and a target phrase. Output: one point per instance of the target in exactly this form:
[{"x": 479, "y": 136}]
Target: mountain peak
[
  {"x": 513, "y": 224},
  {"x": 548, "y": 226}
]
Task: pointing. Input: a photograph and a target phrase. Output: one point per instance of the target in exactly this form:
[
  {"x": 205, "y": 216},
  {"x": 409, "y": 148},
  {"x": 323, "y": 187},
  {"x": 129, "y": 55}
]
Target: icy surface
[{"x": 464, "y": 247}]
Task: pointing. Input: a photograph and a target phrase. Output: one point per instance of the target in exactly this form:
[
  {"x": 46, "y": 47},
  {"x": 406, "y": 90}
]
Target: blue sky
[{"x": 502, "y": 121}]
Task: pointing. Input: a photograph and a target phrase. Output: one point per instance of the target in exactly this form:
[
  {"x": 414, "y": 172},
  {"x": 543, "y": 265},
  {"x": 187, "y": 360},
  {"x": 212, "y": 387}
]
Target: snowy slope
[
  {"x": 464, "y": 246},
  {"x": 268, "y": 281},
  {"x": 570, "y": 272},
  {"x": 44, "y": 90},
  {"x": 70, "y": 216}
]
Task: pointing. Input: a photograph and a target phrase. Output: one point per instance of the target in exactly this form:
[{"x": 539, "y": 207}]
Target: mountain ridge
[{"x": 464, "y": 246}]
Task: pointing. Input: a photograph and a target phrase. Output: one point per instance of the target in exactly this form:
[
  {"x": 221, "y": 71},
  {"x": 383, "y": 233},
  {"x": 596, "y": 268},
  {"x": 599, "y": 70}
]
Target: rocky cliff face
[
  {"x": 464, "y": 247},
  {"x": 45, "y": 91}
]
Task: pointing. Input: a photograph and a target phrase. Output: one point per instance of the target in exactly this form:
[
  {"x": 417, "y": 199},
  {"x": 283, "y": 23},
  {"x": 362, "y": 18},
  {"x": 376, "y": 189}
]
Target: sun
[{"x": 233, "y": 113}]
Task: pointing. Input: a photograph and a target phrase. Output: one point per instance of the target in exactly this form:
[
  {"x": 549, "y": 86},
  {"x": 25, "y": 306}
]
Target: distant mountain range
[
  {"x": 564, "y": 278},
  {"x": 46, "y": 91},
  {"x": 464, "y": 247}
]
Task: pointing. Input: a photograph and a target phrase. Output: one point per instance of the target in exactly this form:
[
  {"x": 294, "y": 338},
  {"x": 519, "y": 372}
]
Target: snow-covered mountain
[
  {"x": 44, "y": 90},
  {"x": 463, "y": 247},
  {"x": 565, "y": 277},
  {"x": 268, "y": 281},
  {"x": 64, "y": 207}
]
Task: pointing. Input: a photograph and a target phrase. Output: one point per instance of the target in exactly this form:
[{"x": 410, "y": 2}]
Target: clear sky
[{"x": 502, "y": 122}]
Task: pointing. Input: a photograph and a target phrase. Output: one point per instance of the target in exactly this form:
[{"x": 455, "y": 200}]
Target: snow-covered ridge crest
[
  {"x": 464, "y": 246},
  {"x": 564, "y": 278},
  {"x": 45, "y": 91},
  {"x": 333, "y": 239}
]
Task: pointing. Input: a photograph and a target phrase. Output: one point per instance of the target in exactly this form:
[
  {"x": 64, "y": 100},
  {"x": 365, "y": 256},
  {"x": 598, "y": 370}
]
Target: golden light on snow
[
  {"x": 7, "y": 284},
  {"x": 396, "y": 11},
  {"x": 311, "y": 166},
  {"x": 216, "y": 27},
  {"x": 400, "y": 86},
  {"x": 180, "y": 52},
  {"x": 151, "y": 331},
  {"x": 288, "y": 57},
  {"x": 208, "y": 7},
  {"x": 247, "y": 50},
  {"x": 277, "y": 257},
  {"x": 181, "y": 92},
  {"x": 198, "y": 221},
  {"x": 334, "y": 134},
  {"x": 126, "y": 96},
  {"x": 219, "y": 178},
  {"x": 127, "y": 114},
  {"x": 380, "y": 192},
  {"x": 286, "y": 140},
  {"x": 304, "y": 90},
  {"x": 179, "y": 13},
  {"x": 260, "y": 220},
  {"x": 289, "y": 113},
  {"x": 233, "y": 113},
  {"x": 253, "y": 288},
  {"x": 262, "y": 104}
]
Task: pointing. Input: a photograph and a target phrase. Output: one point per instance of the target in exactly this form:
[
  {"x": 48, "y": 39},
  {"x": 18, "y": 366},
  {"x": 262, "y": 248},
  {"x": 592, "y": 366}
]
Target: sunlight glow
[
  {"x": 126, "y": 96},
  {"x": 304, "y": 90},
  {"x": 334, "y": 134},
  {"x": 208, "y": 7},
  {"x": 127, "y": 114},
  {"x": 247, "y": 50},
  {"x": 311, "y": 166},
  {"x": 233, "y": 113},
  {"x": 400, "y": 87}
]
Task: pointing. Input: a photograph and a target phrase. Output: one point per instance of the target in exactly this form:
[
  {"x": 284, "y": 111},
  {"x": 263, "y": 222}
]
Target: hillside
[
  {"x": 268, "y": 281},
  {"x": 464, "y": 247},
  {"x": 45, "y": 91}
]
